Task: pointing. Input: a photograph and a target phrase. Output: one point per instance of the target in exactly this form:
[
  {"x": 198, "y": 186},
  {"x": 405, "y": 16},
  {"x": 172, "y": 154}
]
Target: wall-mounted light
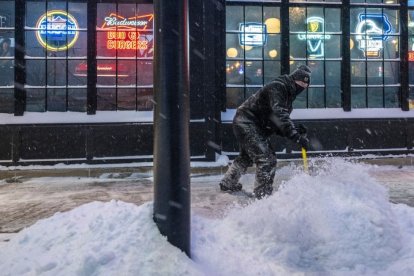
[
  {"x": 232, "y": 52},
  {"x": 272, "y": 25},
  {"x": 272, "y": 53}
]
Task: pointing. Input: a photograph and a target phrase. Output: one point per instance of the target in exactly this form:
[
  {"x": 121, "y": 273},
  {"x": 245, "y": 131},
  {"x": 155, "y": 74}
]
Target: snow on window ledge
[{"x": 337, "y": 113}]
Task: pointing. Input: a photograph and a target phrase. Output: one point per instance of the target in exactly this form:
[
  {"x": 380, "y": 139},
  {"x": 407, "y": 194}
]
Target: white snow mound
[
  {"x": 113, "y": 238},
  {"x": 337, "y": 221}
]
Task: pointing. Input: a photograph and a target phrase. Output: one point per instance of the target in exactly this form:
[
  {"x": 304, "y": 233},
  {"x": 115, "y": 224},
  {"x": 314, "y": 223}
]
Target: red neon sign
[
  {"x": 127, "y": 33},
  {"x": 411, "y": 56}
]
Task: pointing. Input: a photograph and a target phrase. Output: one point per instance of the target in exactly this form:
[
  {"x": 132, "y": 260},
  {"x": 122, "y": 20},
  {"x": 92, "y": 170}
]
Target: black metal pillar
[
  {"x": 404, "y": 67},
  {"x": 171, "y": 122},
  {"x": 92, "y": 71},
  {"x": 346, "y": 56},
  {"x": 284, "y": 47},
  {"x": 20, "y": 63}
]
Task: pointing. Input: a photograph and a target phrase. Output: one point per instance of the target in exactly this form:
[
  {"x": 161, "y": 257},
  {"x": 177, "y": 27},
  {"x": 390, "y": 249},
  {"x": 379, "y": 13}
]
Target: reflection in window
[
  {"x": 252, "y": 50},
  {"x": 7, "y": 45},
  {"x": 56, "y": 60},
  {"x": 315, "y": 40},
  {"x": 375, "y": 66},
  {"x": 125, "y": 54},
  {"x": 411, "y": 52}
]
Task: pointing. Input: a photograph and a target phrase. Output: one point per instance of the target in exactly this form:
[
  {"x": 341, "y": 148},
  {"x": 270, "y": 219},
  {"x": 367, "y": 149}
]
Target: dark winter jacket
[{"x": 270, "y": 107}]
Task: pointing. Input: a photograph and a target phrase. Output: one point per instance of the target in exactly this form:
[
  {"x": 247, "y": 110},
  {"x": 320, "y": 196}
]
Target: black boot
[{"x": 234, "y": 188}]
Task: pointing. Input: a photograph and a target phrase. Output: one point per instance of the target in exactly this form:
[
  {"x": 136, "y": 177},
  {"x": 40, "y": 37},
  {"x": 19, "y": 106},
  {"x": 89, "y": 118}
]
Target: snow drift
[{"x": 337, "y": 222}]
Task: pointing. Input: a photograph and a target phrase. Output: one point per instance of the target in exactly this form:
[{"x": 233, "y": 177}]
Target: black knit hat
[{"x": 303, "y": 73}]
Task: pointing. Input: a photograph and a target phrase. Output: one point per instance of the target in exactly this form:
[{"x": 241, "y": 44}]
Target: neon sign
[
  {"x": 252, "y": 34},
  {"x": 57, "y": 30},
  {"x": 315, "y": 36},
  {"x": 411, "y": 56},
  {"x": 372, "y": 30},
  {"x": 126, "y": 33}
]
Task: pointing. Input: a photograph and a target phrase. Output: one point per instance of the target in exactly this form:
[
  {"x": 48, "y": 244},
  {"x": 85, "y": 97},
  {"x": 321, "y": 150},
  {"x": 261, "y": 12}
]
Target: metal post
[{"x": 171, "y": 122}]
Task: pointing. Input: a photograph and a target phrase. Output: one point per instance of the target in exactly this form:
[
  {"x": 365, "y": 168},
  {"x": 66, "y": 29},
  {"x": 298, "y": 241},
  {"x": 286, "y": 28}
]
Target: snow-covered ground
[{"x": 337, "y": 221}]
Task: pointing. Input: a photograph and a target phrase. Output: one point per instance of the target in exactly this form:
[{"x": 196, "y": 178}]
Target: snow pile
[
  {"x": 113, "y": 238},
  {"x": 336, "y": 222}
]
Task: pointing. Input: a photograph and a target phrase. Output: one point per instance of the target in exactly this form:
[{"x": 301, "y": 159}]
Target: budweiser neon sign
[{"x": 133, "y": 33}]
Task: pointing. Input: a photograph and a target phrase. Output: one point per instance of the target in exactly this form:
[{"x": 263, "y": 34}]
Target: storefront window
[
  {"x": 7, "y": 45},
  {"x": 375, "y": 58},
  {"x": 56, "y": 46},
  {"x": 253, "y": 50},
  {"x": 411, "y": 51},
  {"x": 315, "y": 40},
  {"x": 125, "y": 56}
]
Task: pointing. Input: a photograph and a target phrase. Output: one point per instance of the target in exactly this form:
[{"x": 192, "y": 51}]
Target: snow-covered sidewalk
[{"x": 339, "y": 221}]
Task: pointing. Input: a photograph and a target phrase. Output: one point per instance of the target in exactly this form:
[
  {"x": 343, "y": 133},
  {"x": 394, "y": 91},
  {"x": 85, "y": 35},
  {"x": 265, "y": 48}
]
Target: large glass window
[
  {"x": 375, "y": 61},
  {"x": 315, "y": 40},
  {"x": 7, "y": 45},
  {"x": 411, "y": 51},
  {"x": 253, "y": 50},
  {"x": 125, "y": 56},
  {"x": 56, "y": 50}
]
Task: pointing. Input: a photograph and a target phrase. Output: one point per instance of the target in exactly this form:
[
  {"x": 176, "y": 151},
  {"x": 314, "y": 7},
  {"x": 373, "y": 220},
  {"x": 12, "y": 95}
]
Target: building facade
[{"x": 76, "y": 77}]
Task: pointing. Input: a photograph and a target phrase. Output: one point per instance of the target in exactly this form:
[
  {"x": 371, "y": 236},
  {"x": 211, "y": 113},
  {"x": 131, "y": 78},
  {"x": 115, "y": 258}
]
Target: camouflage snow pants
[{"x": 254, "y": 147}]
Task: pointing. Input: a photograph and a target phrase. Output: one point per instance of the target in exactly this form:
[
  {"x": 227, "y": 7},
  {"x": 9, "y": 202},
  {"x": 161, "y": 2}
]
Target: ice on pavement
[{"x": 337, "y": 221}]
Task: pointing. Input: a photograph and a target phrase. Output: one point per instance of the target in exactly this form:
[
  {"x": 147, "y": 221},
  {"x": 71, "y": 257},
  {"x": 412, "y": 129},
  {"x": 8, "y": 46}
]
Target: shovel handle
[{"x": 305, "y": 160}]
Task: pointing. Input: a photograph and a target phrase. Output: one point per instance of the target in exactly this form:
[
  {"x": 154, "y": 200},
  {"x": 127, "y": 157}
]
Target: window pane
[
  {"x": 333, "y": 46},
  {"x": 391, "y": 72},
  {"x": 234, "y": 97},
  {"x": 375, "y": 97},
  {"x": 272, "y": 48},
  {"x": 36, "y": 72},
  {"x": 56, "y": 72},
  {"x": 374, "y": 72},
  {"x": 316, "y": 98},
  {"x": 127, "y": 99},
  {"x": 318, "y": 72},
  {"x": 56, "y": 99},
  {"x": 77, "y": 74},
  {"x": 271, "y": 70},
  {"x": 254, "y": 72},
  {"x": 127, "y": 74},
  {"x": 145, "y": 99},
  {"x": 333, "y": 96},
  {"x": 6, "y": 59},
  {"x": 106, "y": 71},
  {"x": 358, "y": 97},
  {"x": 36, "y": 100},
  {"x": 235, "y": 72},
  {"x": 234, "y": 50},
  {"x": 391, "y": 95},
  {"x": 6, "y": 100},
  {"x": 358, "y": 72},
  {"x": 77, "y": 100},
  {"x": 145, "y": 72},
  {"x": 297, "y": 19},
  {"x": 234, "y": 16},
  {"x": 106, "y": 99}
]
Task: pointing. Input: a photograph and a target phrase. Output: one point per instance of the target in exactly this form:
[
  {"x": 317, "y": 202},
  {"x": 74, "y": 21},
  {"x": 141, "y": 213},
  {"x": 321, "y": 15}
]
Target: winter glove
[
  {"x": 302, "y": 140},
  {"x": 301, "y": 129}
]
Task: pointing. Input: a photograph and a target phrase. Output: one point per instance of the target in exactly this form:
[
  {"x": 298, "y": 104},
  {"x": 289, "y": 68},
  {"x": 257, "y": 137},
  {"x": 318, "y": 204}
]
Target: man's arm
[{"x": 280, "y": 116}]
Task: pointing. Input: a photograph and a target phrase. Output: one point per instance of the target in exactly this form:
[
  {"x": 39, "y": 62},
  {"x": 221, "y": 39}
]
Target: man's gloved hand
[
  {"x": 301, "y": 129},
  {"x": 302, "y": 140}
]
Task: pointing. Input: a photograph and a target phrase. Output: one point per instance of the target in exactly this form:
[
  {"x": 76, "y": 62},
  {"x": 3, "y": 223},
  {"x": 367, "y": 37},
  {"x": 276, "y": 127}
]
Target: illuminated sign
[
  {"x": 411, "y": 56},
  {"x": 128, "y": 33},
  {"x": 315, "y": 36},
  {"x": 372, "y": 30},
  {"x": 57, "y": 30},
  {"x": 2, "y": 21},
  {"x": 252, "y": 34}
]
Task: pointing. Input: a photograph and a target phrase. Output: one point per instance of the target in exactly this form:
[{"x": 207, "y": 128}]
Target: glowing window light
[{"x": 57, "y": 30}]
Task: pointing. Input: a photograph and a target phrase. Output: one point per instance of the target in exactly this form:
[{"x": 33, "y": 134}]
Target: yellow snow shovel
[{"x": 305, "y": 160}]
